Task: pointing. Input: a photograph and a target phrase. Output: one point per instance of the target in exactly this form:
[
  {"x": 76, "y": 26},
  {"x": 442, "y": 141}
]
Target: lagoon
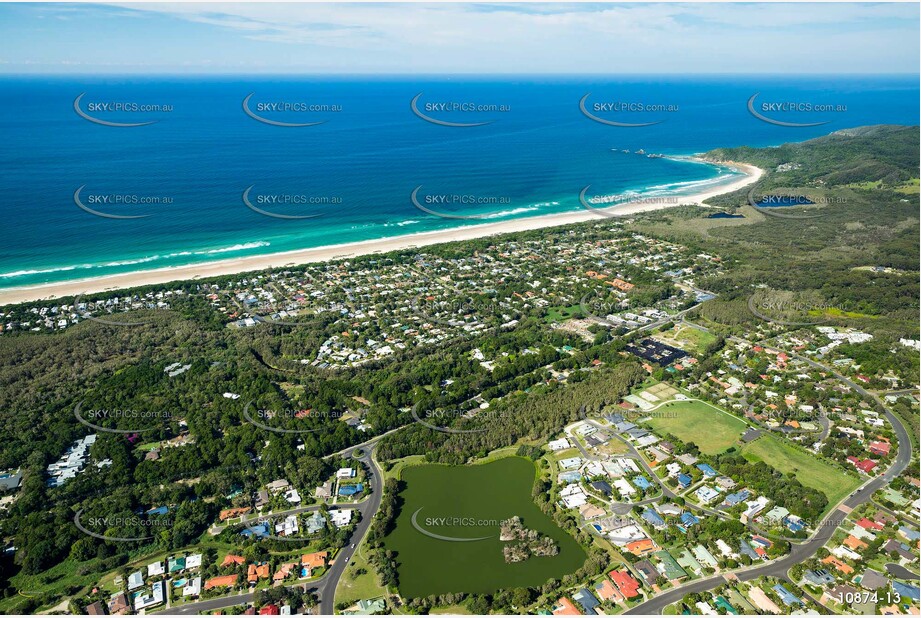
[{"x": 468, "y": 502}]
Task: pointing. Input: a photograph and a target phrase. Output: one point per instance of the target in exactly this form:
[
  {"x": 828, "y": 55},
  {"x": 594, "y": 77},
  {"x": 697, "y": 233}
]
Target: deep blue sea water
[{"x": 364, "y": 161}]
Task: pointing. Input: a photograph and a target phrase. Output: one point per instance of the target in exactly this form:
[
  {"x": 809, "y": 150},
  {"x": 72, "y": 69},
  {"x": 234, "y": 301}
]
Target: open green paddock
[
  {"x": 809, "y": 469},
  {"x": 711, "y": 429}
]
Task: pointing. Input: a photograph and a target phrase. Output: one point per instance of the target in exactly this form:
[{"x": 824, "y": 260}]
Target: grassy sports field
[{"x": 711, "y": 430}]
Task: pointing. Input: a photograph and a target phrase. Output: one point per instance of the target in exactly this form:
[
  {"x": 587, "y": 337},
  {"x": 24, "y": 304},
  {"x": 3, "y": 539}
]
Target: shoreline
[{"x": 50, "y": 291}]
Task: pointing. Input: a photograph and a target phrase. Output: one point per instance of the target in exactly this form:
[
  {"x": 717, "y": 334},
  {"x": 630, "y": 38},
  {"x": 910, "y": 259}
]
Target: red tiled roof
[
  {"x": 867, "y": 524},
  {"x": 606, "y": 590},
  {"x": 314, "y": 560},
  {"x": 222, "y": 580},
  {"x": 230, "y": 559},
  {"x": 565, "y": 608},
  {"x": 854, "y": 543},
  {"x": 640, "y": 546},
  {"x": 625, "y": 582}
]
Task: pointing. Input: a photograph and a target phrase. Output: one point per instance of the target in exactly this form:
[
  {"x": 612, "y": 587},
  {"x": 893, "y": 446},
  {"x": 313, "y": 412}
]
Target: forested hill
[{"x": 886, "y": 154}]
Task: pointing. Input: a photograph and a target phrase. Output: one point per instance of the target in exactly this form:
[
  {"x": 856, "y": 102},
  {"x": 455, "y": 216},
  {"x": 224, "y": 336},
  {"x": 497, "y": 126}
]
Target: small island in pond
[{"x": 529, "y": 542}]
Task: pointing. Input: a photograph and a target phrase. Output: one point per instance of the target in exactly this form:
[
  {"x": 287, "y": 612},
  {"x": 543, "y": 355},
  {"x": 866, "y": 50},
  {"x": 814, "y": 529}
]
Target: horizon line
[{"x": 447, "y": 74}]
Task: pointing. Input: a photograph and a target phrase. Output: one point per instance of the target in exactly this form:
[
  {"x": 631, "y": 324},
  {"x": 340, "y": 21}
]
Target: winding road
[{"x": 324, "y": 587}]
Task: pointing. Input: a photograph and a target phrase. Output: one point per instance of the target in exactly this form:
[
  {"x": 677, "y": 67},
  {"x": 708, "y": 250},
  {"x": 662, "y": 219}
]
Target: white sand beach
[{"x": 383, "y": 245}]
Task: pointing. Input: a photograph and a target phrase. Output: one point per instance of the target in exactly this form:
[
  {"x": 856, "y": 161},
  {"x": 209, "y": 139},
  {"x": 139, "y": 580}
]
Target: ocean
[{"x": 86, "y": 199}]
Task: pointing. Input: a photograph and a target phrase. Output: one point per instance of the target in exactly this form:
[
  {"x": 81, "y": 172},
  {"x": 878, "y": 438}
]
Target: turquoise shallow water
[{"x": 354, "y": 173}]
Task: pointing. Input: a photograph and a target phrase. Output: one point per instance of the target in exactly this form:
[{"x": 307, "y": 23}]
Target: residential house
[
  {"x": 640, "y": 546},
  {"x": 152, "y": 598},
  {"x": 284, "y": 571},
  {"x": 762, "y": 601},
  {"x": 192, "y": 587},
  {"x": 626, "y": 583},
  {"x": 314, "y": 561},
  {"x": 341, "y": 517},
  {"x": 234, "y": 512},
  {"x": 587, "y": 600},
  {"x": 787, "y": 598},
  {"x": 155, "y": 568},
  {"x": 647, "y": 571},
  {"x": 842, "y": 567},
  {"x": 324, "y": 491},
  {"x": 903, "y": 550},
  {"x": 607, "y": 591},
  {"x": 221, "y": 581},
  {"x": 565, "y": 607},
  {"x": 255, "y": 572},
  {"x": 839, "y": 594},
  {"x": 232, "y": 560},
  {"x": 818, "y": 577},
  {"x": 118, "y": 604},
  {"x": 708, "y": 471},
  {"x": 670, "y": 567},
  {"x": 872, "y": 580},
  {"x": 654, "y": 519},
  {"x": 278, "y": 486}
]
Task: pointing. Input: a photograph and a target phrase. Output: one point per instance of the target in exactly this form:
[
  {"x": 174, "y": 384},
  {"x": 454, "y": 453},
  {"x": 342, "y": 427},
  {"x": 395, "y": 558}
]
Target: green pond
[{"x": 461, "y": 503}]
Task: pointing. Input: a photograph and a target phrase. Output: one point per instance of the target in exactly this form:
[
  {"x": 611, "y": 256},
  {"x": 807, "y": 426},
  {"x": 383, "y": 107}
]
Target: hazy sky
[{"x": 459, "y": 38}]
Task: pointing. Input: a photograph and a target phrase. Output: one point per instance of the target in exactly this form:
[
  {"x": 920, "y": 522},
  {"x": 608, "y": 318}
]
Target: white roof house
[
  {"x": 706, "y": 494},
  {"x": 288, "y": 527},
  {"x": 626, "y": 534},
  {"x": 625, "y": 488},
  {"x": 724, "y": 549},
  {"x": 155, "y": 568},
  {"x": 193, "y": 561},
  {"x": 571, "y": 463},
  {"x": 192, "y": 587},
  {"x": 154, "y": 597},
  {"x": 755, "y": 506},
  {"x": 573, "y": 496},
  {"x": 341, "y": 517}
]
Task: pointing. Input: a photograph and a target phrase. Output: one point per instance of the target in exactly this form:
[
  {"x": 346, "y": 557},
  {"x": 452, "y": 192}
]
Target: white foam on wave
[
  {"x": 144, "y": 260},
  {"x": 240, "y": 247},
  {"x": 22, "y": 273}
]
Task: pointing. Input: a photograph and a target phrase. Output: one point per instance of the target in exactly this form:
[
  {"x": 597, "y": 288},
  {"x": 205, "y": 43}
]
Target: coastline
[{"x": 231, "y": 266}]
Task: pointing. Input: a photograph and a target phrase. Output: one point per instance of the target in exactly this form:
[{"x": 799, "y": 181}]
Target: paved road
[
  {"x": 901, "y": 572},
  {"x": 826, "y": 527},
  {"x": 326, "y": 589},
  {"x": 325, "y": 586}
]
